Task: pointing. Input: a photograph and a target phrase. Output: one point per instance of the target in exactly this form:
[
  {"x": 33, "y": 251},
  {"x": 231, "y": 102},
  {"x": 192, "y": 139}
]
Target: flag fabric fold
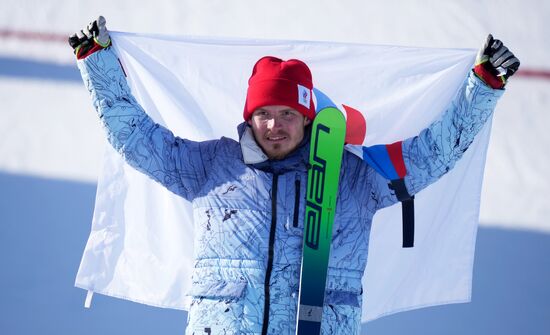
[{"x": 141, "y": 243}]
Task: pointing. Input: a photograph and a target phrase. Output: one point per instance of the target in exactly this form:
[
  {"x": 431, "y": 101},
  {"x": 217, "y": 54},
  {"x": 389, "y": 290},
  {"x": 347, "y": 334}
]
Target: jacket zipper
[
  {"x": 270, "y": 253},
  {"x": 296, "y": 202}
]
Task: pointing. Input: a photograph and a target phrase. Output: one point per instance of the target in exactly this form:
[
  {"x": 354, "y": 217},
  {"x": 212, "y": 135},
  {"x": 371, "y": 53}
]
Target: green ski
[{"x": 327, "y": 145}]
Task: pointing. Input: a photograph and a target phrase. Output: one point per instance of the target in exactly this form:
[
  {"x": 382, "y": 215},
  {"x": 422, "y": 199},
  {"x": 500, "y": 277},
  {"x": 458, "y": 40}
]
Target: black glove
[
  {"x": 93, "y": 38},
  {"x": 495, "y": 63}
]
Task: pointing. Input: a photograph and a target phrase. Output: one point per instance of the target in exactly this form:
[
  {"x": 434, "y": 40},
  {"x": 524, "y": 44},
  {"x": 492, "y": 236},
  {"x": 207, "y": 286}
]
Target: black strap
[
  {"x": 407, "y": 206},
  {"x": 408, "y": 222}
]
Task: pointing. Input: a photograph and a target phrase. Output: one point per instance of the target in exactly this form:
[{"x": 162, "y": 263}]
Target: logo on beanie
[{"x": 304, "y": 96}]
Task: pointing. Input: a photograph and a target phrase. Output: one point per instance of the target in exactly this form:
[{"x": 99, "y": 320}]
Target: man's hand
[
  {"x": 93, "y": 38},
  {"x": 495, "y": 63}
]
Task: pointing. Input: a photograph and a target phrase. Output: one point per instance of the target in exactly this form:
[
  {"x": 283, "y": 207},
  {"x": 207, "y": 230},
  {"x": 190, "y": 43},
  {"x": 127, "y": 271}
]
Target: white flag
[{"x": 141, "y": 244}]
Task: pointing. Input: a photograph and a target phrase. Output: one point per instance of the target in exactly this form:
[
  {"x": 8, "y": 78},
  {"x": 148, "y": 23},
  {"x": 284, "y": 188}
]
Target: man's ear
[
  {"x": 306, "y": 121},
  {"x": 249, "y": 121}
]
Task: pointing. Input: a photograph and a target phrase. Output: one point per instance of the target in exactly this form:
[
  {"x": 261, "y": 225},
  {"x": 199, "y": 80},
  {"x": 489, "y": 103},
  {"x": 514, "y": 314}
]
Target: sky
[{"x": 53, "y": 144}]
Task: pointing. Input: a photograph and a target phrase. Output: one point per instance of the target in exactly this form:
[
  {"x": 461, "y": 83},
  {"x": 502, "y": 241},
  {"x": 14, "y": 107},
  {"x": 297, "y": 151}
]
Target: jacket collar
[
  {"x": 255, "y": 156},
  {"x": 252, "y": 153}
]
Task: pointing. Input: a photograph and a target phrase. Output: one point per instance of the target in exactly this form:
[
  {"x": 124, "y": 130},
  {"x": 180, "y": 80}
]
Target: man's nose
[{"x": 273, "y": 123}]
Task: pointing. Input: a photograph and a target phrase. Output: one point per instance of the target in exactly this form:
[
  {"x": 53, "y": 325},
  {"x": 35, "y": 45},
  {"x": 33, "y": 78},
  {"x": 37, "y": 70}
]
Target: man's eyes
[
  {"x": 287, "y": 114},
  {"x": 260, "y": 113}
]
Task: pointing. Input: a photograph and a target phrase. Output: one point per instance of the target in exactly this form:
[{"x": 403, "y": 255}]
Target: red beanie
[{"x": 278, "y": 82}]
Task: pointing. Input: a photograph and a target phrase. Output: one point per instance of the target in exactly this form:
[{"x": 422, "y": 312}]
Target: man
[{"x": 248, "y": 196}]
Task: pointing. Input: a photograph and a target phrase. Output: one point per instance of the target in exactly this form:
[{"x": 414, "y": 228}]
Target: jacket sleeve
[
  {"x": 177, "y": 164},
  {"x": 435, "y": 151}
]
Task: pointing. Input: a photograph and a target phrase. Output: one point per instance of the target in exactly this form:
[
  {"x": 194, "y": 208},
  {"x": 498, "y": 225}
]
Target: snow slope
[
  {"x": 52, "y": 144},
  {"x": 514, "y": 192}
]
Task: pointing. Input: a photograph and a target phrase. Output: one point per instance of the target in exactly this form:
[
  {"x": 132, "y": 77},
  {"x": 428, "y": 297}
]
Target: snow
[
  {"x": 515, "y": 163},
  {"x": 48, "y": 131},
  {"x": 51, "y": 135}
]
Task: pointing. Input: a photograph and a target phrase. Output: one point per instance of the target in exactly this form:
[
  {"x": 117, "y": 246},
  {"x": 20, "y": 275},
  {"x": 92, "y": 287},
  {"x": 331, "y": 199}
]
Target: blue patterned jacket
[{"x": 248, "y": 211}]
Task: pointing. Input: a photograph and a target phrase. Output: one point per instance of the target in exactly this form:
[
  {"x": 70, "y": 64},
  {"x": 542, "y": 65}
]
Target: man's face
[{"x": 278, "y": 129}]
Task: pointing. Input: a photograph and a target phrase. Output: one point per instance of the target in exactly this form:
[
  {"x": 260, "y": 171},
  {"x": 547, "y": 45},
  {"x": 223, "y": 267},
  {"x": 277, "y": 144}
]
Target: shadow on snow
[{"x": 45, "y": 224}]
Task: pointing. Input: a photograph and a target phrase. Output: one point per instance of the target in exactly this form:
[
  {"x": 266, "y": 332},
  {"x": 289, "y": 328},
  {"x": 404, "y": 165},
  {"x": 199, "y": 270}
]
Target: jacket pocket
[
  {"x": 341, "y": 313},
  {"x": 216, "y": 308},
  {"x": 222, "y": 290},
  {"x": 342, "y": 298},
  {"x": 296, "y": 215}
]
